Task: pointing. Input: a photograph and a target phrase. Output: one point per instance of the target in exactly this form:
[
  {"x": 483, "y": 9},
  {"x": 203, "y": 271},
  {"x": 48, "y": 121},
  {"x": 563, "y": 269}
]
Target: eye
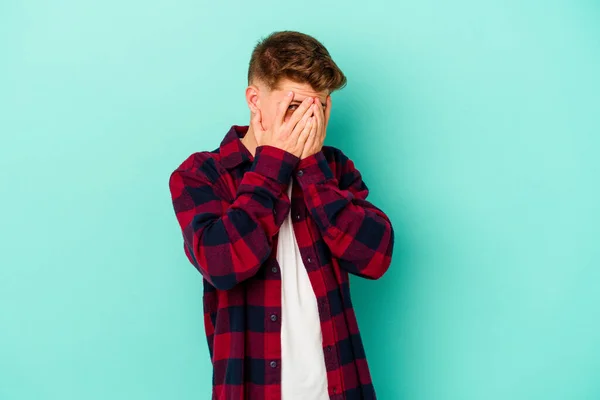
[{"x": 294, "y": 107}]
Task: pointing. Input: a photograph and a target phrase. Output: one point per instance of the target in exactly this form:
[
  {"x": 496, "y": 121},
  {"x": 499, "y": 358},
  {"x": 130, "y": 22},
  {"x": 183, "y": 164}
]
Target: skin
[{"x": 296, "y": 123}]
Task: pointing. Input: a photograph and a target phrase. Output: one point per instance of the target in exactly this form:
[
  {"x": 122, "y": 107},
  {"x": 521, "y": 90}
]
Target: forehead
[{"x": 301, "y": 90}]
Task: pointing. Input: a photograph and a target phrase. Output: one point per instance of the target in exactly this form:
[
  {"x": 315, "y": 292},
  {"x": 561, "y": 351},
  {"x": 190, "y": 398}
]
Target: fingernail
[{"x": 290, "y": 93}]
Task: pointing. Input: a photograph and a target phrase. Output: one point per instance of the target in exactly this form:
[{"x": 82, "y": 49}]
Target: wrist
[
  {"x": 275, "y": 163},
  {"x": 313, "y": 169}
]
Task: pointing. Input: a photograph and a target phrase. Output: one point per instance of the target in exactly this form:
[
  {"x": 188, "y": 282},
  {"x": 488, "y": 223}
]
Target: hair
[{"x": 297, "y": 57}]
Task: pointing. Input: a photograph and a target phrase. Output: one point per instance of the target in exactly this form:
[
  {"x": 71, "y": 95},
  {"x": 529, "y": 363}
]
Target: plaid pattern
[{"x": 230, "y": 206}]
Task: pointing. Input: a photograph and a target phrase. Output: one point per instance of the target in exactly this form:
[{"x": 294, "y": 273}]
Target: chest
[{"x": 298, "y": 217}]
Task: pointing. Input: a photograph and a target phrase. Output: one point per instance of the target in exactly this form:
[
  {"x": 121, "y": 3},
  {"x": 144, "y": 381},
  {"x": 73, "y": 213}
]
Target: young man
[{"x": 275, "y": 222}]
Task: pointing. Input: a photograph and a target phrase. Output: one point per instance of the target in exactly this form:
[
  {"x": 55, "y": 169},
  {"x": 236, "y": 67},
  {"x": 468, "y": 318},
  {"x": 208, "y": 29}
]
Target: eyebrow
[{"x": 298, "y": 102}]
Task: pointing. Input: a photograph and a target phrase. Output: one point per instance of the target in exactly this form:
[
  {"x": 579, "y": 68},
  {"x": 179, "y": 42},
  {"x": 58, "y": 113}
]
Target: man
[{"x": 275, "y": 222}]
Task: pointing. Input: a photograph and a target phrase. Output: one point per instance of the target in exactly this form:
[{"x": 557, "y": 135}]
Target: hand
[
  {"x": 289, "y": 136},
  {"x": 316, "y": 137}
]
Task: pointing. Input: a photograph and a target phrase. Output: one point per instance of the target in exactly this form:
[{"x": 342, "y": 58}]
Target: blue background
[{"x": 475, "y": 125}]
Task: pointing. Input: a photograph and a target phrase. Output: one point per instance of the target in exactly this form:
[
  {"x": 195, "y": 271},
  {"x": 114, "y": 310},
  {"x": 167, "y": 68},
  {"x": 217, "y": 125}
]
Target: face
[{"x": 267, "y": 101}]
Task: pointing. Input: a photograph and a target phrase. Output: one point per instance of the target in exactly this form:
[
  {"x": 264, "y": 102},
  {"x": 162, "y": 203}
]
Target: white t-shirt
[{"x": 303, "y": 371}]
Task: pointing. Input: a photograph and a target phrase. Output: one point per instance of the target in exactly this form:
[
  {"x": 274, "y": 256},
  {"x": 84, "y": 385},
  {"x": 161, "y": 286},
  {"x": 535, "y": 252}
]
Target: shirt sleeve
[
  {"x": 358, "y": 234},
  {"x": 228, "y": 240}
]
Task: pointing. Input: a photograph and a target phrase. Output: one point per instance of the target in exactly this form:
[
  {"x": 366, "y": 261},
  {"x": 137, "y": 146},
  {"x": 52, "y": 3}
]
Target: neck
[{"x": 249, "y": 141}]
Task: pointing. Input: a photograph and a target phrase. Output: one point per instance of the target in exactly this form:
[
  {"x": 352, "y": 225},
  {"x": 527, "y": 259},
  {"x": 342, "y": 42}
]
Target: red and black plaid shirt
[{"x": 230, "y": 206}]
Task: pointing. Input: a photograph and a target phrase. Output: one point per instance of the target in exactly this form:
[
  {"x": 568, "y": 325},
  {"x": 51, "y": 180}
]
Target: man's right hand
[{"x": 291, "y": 135}]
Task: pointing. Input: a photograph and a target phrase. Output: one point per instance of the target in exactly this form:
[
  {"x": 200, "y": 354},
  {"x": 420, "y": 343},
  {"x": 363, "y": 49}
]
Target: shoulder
[
  {"x": 338, "y": 161},
  {"x": 205, "y": 165},
  {"x": 343, "y": 168},
  {"x": 203, "y": 173}
]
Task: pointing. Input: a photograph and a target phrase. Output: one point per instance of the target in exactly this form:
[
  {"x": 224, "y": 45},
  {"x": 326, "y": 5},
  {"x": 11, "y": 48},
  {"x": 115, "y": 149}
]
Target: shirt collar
[{"x": 232, "y": 150}]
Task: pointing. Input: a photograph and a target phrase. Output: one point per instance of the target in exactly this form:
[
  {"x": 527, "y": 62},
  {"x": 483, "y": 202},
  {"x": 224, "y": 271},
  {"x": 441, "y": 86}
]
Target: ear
[{"x": 253, "y": 98}]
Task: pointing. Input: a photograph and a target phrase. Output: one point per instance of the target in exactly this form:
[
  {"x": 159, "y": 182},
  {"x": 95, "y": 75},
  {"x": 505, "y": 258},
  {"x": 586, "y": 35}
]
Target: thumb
[
  {"x": 256, "y": 122},
  {"x": 257, "y": 128}
]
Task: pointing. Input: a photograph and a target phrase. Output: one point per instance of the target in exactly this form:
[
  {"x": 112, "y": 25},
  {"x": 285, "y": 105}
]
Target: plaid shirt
[{"x": 230, "y": 206}]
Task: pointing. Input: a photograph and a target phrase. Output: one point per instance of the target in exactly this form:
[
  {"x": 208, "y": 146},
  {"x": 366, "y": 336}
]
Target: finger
[
  {"x": 319, "y": 117},
  {"x": 302, "y": 123},
  {"x": 314, "y": 134},
  {"x": 282, "y": 108},
  {"x": 310, "y": 142},
  {"x": 300, "y": 111},
  {"x": 256, "y": 123},
  {"x": 327, "y": 110},
  {"x": 323, "y": 122},
  {"x": 306, "y": 131}
]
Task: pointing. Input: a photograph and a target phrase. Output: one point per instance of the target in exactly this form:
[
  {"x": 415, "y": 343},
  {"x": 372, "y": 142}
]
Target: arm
[
  {"x": 228, "y": 242},
  {"x": 358, "y": 234}
]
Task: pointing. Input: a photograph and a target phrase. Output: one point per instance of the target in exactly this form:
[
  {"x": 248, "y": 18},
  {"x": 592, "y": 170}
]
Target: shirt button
[
  {"x": 273, "y": 364},
  {"x": 273, "y": 317},
  {"x": 309, "y": 259},
  {"x": 328, "y": 348},
  {"x": 274, "y": 270},
  {"x": 298, "y": 216},
  {"x": 300, "y": 173},
  {"x": 334, "y": 390}
]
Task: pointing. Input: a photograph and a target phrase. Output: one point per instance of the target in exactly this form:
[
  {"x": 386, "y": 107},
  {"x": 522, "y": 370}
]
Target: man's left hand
[{"x": 316, "y": 137}]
